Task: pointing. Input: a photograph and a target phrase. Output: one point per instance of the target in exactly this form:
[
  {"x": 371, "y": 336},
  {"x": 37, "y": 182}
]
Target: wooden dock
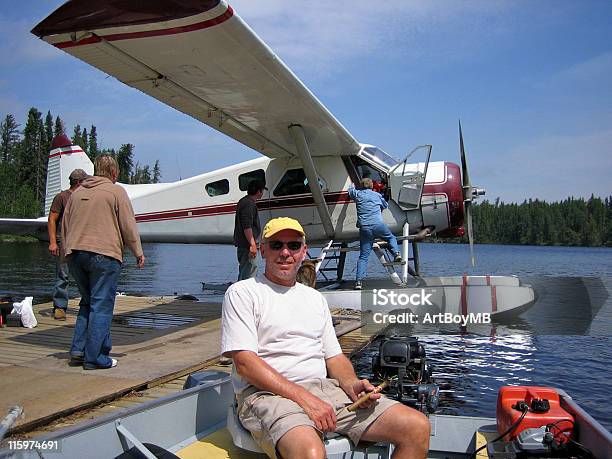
[{"x": 158, "y": 341}]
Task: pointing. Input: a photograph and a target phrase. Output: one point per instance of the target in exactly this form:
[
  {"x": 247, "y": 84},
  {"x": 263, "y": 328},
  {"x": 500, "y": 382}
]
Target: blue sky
[{"x": 531, "y": 82}]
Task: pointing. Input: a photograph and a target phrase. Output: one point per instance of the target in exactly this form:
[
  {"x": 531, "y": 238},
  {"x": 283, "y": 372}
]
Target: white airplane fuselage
[
  {"x": 184, "y": 211},
  {"x": 201, "y": 209}
]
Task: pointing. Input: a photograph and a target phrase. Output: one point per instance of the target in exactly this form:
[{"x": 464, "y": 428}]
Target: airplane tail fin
[{"x": 64, "y": 157}]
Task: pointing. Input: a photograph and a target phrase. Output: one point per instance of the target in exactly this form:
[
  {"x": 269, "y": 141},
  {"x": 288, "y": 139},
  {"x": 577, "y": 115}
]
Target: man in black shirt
[
  {"x": 54, "y": 223},
  {"x": 247, "y": 230}
]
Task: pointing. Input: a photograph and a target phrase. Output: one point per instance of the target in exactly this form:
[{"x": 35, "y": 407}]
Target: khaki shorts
[{"x": 269, "y": 416}]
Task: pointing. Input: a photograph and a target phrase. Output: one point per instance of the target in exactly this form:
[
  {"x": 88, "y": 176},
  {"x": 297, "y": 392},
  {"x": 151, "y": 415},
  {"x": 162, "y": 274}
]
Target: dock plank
[
  {"x": 153, "y": 362},
  {"x": 34, "y": 361}
]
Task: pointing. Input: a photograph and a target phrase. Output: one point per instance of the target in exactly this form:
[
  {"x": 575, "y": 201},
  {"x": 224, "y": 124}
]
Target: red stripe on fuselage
[
  {"x": 228, "y": 208},
  {"x": 65, "y": 153},
  {"x": 150, "y": 33}
]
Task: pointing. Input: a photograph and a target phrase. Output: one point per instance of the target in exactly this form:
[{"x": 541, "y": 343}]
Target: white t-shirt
[{"x": 290, "y": 328}]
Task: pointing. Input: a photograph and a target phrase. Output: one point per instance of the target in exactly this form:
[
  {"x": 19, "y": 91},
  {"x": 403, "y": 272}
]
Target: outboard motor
[{"x": 401, "y": 360}]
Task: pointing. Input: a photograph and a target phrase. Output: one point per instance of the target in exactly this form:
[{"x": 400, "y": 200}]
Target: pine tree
[
  {"x": 156, "y": 172},
  {"x": 48, "y": 132},
  {"x": 92, "y": 151},
  {"x": 59, "y": 127},
  {"x": 85, "y": 141},
  {"x": 31, "y": 169},
  {"x": 10, "y": 146},
  {"x": 41, "y": 166},
  {"x": 125, "y": 159},
  {"x": 77, "y": 137},
  {"x": 135, "y": 176},
  {"x": 145, "y": 176},
  {"x": 9, "y": 138}
]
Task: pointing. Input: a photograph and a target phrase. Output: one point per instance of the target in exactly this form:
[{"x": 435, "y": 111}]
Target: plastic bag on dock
[{"x": 24, "y": 309}]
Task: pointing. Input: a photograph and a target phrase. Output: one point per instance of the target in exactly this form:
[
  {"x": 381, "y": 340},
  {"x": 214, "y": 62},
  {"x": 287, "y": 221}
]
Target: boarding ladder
[
  {"x": 333, "y": 256},
  {"x": 331, "y": 259}
]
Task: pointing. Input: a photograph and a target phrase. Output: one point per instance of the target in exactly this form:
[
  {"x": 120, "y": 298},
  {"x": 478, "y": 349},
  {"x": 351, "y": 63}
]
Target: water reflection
[{"x": 471, "y": 369}]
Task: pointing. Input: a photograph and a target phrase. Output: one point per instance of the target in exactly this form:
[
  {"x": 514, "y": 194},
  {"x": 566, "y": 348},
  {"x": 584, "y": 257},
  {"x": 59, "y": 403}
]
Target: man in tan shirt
[
  {"x": 54, "y": 224},
  {"x": 97, "y": 222}
]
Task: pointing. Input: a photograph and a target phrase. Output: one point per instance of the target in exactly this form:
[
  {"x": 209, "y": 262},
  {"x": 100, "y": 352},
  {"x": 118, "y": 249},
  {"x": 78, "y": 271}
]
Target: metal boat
[{"x": 198, "y": 422}]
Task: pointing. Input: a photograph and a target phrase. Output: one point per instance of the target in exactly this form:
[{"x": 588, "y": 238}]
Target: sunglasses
[{"x": 291, "y": 245}]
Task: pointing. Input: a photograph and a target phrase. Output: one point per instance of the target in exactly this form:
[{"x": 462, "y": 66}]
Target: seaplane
[{"x": 202, "y": 59}]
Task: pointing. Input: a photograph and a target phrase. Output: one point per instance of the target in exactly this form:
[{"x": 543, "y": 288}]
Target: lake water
[{"x": 470, "y": 368}]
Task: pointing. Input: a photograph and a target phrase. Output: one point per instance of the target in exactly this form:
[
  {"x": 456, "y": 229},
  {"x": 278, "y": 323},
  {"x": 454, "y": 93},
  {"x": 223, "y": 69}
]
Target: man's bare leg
[
  {"x": 301, "y": 442},
  {"x": 406, "y": 428}
]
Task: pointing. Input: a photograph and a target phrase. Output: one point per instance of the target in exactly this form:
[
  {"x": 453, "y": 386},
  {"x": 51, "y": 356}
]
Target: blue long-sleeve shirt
[{"x": 369, "y": 206}]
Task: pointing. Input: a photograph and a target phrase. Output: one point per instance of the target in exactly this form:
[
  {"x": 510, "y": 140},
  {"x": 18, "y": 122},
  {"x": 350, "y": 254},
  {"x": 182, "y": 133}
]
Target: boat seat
[{"x": 335, "y": 444}]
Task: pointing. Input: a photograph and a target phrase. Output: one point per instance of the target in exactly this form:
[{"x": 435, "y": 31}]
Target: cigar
[{"x": 355, "y": 405}]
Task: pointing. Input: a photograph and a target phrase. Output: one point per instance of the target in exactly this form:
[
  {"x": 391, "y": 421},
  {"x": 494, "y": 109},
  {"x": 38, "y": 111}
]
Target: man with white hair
[
  {"x": 54, "y": 225},
  {"x": 291, "y": 379},
  {"x": 370, "y": 205},
  {"x": 98, "y": 222}
]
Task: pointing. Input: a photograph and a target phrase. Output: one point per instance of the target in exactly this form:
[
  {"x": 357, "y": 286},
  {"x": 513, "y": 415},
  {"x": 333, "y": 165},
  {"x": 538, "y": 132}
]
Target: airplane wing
[
  {"x": 36, "y": 227},
  {"x": 199, "y": 57}
]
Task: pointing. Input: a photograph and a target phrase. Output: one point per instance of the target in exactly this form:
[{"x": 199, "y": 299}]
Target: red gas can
[{"x": 543, "y": 404}]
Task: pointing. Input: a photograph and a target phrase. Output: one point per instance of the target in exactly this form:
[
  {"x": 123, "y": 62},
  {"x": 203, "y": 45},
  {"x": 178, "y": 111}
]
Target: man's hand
[
  {"x": 340, "y": 368},
  {"x": 253, "y": 250},
  {"x": 322, "y": 413},
  {"x": 357, "y": 388},
  {"x": 54, "y": 248},
  {"x": 140, "y": 261}
]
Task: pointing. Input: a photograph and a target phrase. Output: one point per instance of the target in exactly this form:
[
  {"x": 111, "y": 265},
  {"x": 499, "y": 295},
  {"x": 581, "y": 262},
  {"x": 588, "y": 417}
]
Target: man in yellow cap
[{"x": 292, "y": 381}]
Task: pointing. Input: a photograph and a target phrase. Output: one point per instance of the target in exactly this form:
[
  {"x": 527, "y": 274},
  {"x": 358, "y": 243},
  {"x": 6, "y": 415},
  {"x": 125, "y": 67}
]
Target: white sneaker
[{"x": 91, "y": 366}]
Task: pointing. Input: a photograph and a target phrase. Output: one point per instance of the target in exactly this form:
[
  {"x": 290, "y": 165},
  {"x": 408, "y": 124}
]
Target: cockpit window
[
  {"x": 365, "y": 170},
  {"x": 248, "y": 177},
  {"x": 379, "y": 157}
]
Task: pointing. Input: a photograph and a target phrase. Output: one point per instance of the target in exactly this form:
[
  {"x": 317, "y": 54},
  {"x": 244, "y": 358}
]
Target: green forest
[
  {"x": 23, "y": 172},
  {"x": 572, "y": 222},
  {"x": 23, "y": 161}
]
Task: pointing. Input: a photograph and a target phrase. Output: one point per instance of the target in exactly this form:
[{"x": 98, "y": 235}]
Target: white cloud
[
  {"x": 19, "y": 46},
  {"x": 318, "y": 37},
  {"x": 587, "y": 71}
]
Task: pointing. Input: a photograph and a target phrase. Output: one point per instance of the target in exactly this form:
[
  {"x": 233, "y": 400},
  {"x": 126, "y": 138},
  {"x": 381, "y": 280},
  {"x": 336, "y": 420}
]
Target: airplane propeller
[{"x": 467, "y": 196}]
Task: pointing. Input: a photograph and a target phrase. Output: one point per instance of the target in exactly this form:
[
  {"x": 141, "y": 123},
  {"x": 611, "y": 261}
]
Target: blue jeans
[
  {"x": 367, "y": 234},
  {"x": 60, "y": 287},
  {"x": 96, "y": 275},
  {"x": 247, "y": 266}
]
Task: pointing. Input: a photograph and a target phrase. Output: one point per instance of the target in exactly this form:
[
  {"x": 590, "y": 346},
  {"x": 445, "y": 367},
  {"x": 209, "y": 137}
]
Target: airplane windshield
[{"x": 379, "y": 157}]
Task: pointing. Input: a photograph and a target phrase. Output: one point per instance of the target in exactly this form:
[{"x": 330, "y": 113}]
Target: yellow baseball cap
[{"x": 281, "y": 223}]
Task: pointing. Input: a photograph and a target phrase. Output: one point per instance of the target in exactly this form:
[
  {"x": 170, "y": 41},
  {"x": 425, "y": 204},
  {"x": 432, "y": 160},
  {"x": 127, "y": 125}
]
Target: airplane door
[{"x": 407, "y": 180}]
